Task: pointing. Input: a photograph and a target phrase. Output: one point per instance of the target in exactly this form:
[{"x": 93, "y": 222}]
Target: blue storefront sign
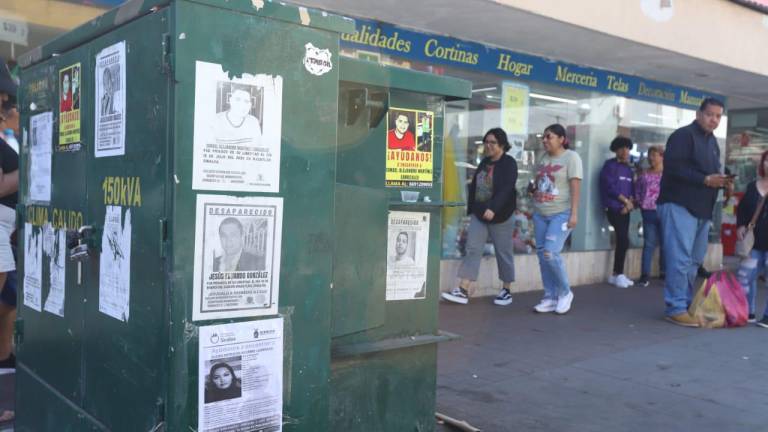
[{"x": 389, "y": 39}]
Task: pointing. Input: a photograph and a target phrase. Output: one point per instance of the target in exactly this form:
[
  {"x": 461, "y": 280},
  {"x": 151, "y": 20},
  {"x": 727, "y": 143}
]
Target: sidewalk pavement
[{"x": 611, "y": 364}]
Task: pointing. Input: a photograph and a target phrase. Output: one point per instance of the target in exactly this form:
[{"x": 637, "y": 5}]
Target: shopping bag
[
  {"x": 707, "y": 306},
  {"x": 720, "y": 302},
  {"x": 733, "y": 298},
  {"x": 745, "y": 244}
]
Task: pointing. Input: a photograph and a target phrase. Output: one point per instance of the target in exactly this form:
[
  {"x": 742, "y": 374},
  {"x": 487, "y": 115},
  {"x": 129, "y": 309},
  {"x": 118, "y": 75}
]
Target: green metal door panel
[
  {"x": 361, "y": 126},
  {"x": 52, "y": 345},
  {"x": 385, "y": 392},
  {"x": 244, "y": 43},
  {"x": 125, "y": 356},
  {"x": 360, "y": 267},
  {"x": 41, "y": 409}
]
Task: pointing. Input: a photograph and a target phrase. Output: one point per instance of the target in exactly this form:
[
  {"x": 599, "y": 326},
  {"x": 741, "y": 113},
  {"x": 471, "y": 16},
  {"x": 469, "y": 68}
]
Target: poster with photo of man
[
  {"x": 237, "y": 256},
  {"x": 237, "y": 132},
  {"x": 410, "y": 137},
  {"x": 407, "y": 252},
  {"x": 69, "y": 108},
  {"x": 110, "y": 101}
]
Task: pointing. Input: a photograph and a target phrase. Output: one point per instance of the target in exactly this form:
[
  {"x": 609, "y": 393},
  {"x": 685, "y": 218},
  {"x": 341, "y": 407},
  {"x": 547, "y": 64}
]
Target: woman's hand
[
  {"x": 488, "y": 215},
  {"x": 572, "y": 221},
  {"x": 740, "y": 232}
]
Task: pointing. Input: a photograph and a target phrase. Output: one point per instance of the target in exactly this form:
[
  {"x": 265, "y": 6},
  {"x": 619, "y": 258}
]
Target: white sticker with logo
[{"x": 317, "y": 61}]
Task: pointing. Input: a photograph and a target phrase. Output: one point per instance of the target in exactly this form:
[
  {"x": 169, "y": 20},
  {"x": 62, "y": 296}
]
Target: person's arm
[
  {"x": 9, "y": 183},
  {"x": 608, "y": 181},
  {"x": 504, "y": 190},
  {"x": 575, "y": 185},
  {"x": 640, "y": 189}
]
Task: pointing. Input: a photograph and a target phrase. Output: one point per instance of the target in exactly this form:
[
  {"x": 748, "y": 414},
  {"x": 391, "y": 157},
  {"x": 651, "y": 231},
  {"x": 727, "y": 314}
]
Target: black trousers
[{"x": 620, "y": 224}]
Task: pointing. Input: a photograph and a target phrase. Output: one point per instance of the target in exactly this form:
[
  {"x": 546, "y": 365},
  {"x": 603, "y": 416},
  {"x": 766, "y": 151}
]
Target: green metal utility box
[
  {"x": 176, "y": 220},
  {"x": 387, "y": 253}
]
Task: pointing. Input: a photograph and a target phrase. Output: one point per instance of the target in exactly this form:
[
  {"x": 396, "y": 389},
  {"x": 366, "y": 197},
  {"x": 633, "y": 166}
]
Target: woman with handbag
[{"x": 752, "y": 234}]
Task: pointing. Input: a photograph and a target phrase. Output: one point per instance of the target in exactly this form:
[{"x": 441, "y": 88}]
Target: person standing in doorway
[
  {"x": 492, "y": 201},
  {"x": 617, "y": 191},
  {"x": 556, "y": 192},
  {"x": 646, "y": 193},
  {"x": 690, "y": 183}
]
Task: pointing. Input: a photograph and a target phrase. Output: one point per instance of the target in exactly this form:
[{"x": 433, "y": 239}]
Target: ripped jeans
[
  {"x": 749, "y": 269},
  {"x": 550, "y": 237}
]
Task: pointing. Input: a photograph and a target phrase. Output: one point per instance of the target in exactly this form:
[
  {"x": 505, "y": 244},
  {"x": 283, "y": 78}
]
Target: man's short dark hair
[
  {"x": 711, "y": 101},
  {"x": 231, "y": 221},
  {"x": 620, "y": 142}
]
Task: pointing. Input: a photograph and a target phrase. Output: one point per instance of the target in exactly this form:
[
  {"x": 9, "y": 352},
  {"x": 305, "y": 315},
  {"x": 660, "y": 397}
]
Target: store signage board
[
  {"x": 371, "y": 36},
  {"x": 13, "y": 31}
]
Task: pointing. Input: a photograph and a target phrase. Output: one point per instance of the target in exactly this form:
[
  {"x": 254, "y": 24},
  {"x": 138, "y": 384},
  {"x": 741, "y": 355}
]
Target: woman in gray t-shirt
[{"x": 556, "y": 203}]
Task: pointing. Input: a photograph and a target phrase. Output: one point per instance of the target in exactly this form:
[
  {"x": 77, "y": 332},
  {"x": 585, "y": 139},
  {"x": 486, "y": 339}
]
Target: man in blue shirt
[{"x": 690, "y": 183}]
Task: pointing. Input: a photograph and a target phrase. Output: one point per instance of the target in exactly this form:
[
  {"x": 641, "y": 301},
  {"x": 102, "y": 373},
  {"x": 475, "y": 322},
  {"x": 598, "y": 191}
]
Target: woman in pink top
[{"x": 646, "y": 192}]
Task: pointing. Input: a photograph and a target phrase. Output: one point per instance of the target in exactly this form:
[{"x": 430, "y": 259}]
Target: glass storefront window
[{"x": 591, "y": 119}]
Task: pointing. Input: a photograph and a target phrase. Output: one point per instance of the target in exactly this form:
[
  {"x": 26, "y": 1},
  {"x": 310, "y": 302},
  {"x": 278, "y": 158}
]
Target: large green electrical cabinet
[
  {"x": 387, "y": 252},
  {"x": 172, "y": 150}
]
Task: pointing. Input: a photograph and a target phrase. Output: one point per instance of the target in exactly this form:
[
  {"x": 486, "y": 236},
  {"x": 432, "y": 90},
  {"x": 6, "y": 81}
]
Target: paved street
[{"x": 611, "y": 364}]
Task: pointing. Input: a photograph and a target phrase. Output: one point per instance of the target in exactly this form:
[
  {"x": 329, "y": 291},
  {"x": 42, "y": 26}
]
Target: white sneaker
[
  {"x": 564, "y": 303},
  {"x": 546, "y": 305},
  {"x": 620, "y": 281},
  {"x": 458, "y": 295}
]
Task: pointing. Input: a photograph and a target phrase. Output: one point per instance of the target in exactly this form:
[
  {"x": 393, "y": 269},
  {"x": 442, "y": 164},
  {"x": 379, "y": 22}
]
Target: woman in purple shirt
[
  {"x": 647, "y": 190},
  {"x": 617, "y": 192}
]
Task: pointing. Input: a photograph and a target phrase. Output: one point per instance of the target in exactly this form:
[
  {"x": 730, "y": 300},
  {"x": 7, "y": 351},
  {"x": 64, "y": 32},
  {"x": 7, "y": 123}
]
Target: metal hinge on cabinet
[
  {"x": 167, "y": 61},
  {"x": 163, "y": 234},
  {"x": 18, "y": 331}
]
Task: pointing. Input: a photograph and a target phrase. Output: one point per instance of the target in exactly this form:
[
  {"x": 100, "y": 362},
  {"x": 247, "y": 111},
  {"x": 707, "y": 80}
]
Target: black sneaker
[
  {"x": 763, "y": 322},
  {"x": 8, "y": 363},
  {"x": 458, "y": 295},
  {"x": 751, "y": 318},
  {"x": 643, "y": 281},
  {"x": 504, "y": 298}
]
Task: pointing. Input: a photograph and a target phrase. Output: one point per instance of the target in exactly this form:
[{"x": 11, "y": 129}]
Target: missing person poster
[
  {"x": 115, "y": 264},
  {"x": 40, "y": 152},
  {"x": 69, "y": 108},
  {"x": 110, "y": 101},
  {"x": 410, "y": 137},
  {"x": 54, "y": 247},
  {"x": 240, "y": 379},
  {"x": 237, "y": 256},
  {"x": 33, "y": 267},
  {"x": 237, "y": 133},
  {"x": 407, "y": 252}
]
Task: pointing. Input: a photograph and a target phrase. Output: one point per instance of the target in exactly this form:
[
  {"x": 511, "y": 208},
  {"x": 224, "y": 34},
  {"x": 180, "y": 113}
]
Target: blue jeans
[
  {"x": 651, "y": 238},
  {"x": 550, "y": 238},
  {"x": 749, "y": 269},
  {"x": 685, "y": 245}
]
